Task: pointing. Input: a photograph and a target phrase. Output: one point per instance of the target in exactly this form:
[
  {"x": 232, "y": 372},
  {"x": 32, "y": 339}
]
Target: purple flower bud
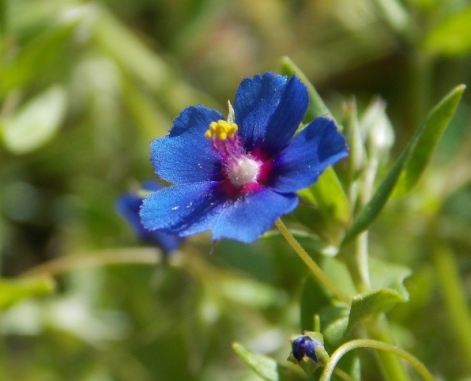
[{"x": 304, "y": 346}]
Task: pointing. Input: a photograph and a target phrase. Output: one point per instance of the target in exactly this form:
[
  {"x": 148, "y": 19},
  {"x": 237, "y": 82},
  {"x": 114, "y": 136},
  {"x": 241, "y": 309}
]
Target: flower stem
[
  {"x": 366, "y": 343},
  {"x": 449, "y": 284},
  {"x": 357, "y": 263},
  {"x": 315, "y": 269},
  {"x": 145, "y": 256}
]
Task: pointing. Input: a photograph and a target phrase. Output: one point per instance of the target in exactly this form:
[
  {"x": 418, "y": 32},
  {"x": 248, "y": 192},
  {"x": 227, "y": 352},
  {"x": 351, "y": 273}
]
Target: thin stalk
[
  {"x": 357, "y": 263},
  {"x": 96, "y": 258},
  {"x": 448, "y": 278},
  {"x": 315, "y": 269},
  {"x": 383, "y": 347},
  {"x": 392, "y": 368}
]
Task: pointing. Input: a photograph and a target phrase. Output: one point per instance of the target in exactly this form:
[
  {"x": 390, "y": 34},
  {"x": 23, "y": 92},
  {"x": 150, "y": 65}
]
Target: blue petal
[
  {"x": 249, "y": 217},
  {"x": 268, "y": 110},
  {"x": 184, "y": 209},
  {"x": 307, "y": 156},
  {"x": 304, "y": 346},
  {"x": 128, "y": 206},
  {"x": 185, "y": 155}
]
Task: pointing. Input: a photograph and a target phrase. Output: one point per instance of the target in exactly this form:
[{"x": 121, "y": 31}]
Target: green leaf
[
  {"x": 334, "y": 332},
  {"x": 451, "y": 36},
  {"x": 427, "y": 141},
  {"x": 389, "y": 275},
  {"x": 42, "y": 56},
  {"x": 36, "y": 122},
  {"x": 266, "y": 367},
  {"x": 328, "y": 195},
  {"x": 371, "y": 303},
  {"x": 412, "y": 161},
  {"x": 316, "y": 106},
  {"x": 388, "y": 290},
  {"x": 15, "y": 290}
]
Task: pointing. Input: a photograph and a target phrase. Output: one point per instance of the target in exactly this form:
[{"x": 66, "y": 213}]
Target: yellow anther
[{"x": 221, "y": 130}]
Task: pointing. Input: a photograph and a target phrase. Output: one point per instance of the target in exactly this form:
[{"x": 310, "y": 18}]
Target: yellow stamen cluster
[{"x": 221, "y": 130}]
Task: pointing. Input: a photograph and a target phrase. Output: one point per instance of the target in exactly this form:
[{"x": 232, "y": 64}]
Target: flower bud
[
  {"x": 377, "y": 130},
  {"x": 308, "y": 351}
]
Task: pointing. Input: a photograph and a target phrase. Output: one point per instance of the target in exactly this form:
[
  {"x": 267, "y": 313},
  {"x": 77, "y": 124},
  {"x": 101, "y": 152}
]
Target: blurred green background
[{"x": 86, "y": 85}]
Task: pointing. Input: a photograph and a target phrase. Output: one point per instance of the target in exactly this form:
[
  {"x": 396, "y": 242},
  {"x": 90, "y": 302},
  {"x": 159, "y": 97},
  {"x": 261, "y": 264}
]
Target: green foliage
[
  {"x": 328, "y": 195},
  {"x": 36, "y": 122},
  {"x": 14, "y": 290},
  {"x": 410, "y": 165},
  {"x": 450, "y": 37},
  {"x": 85, "y": 86}
]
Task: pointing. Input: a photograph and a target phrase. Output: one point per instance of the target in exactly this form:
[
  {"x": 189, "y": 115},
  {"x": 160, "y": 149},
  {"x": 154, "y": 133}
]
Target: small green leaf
[
  {"x": 14, "y": 290},
  {"x": 266, "y": 367},
  {"x": 316, "y": 106},
  {"x": 41, "y": 57},
  {"x": 427, "y": 140},
  {"x": 36, "y": 122},
  {"x": 388, "y": 290},
  {"x": 334, "y": 332},
  {"x": 412, "y": 160},
  {"x": 370, "y": 303},
  {"x": 328, "y": 195},
  {"x": 451, "y": 36},
  {"x": 389, "y": 275}
]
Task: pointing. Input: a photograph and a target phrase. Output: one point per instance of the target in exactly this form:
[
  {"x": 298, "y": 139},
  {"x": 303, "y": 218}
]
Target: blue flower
[
  {"x": 304, "y": 346},
  {"x": 236, "y": 177},
  {"x": 128, "y": 206}
]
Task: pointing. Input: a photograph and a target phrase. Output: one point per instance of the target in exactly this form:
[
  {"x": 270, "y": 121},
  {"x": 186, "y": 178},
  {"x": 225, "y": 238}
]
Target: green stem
[
  {"x": 146, "y": 256},
  {"x": 455, "y": 299},
  {"x": 391, "y": 366},
  {"x": 357, "y": 263},
  {"x": 315, "y": 269},
  {"x": 383, "y": 347}
]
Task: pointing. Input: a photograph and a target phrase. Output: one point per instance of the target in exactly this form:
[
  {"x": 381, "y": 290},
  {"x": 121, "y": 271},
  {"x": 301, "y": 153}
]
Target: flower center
[
  {"x": 243, "y": 171},
  {"x": 239, "y": 167}
]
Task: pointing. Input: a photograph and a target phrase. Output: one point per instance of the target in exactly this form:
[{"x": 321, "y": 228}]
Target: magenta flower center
[{"x": 239, "y": 167}]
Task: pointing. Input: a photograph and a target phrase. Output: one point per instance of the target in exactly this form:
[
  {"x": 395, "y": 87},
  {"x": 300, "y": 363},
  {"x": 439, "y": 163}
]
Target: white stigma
[{"x": 244, "y": 170}]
